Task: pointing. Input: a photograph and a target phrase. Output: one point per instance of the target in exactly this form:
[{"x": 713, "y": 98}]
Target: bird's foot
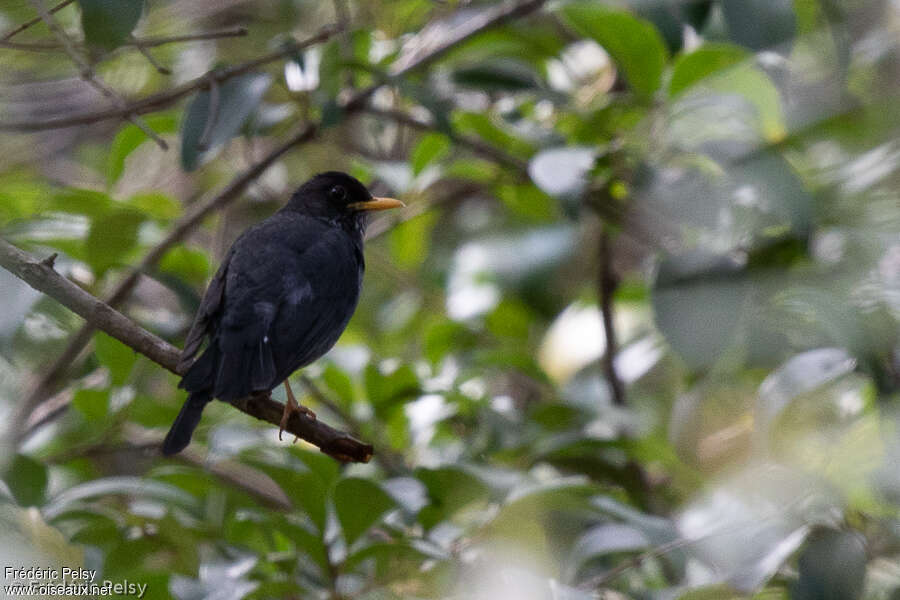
[{"x": 291, "y": 407}]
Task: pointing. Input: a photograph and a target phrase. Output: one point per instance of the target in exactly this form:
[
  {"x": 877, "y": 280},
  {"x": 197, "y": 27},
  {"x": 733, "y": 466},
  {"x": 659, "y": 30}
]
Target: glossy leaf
[
  {"x": 109, "y": 23},
  {"x": 237, "y": 99},
  {"x": 702, "y": 62}
]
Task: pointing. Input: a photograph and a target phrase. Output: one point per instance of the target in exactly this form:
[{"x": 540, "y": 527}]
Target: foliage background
[{"x": 718, "y": 178}]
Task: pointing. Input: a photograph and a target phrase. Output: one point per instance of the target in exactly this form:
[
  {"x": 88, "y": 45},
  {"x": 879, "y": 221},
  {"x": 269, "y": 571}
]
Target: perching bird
[{"x": 281, "y": 299}]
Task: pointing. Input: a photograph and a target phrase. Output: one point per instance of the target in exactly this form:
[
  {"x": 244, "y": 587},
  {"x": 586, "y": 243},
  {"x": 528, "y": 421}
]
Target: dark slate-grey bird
[{"x": 281, "y": 299}]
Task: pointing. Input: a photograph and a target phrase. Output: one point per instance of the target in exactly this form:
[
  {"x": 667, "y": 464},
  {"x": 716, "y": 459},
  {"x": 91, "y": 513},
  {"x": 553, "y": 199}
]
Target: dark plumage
[{"x": 281, "y": 298}]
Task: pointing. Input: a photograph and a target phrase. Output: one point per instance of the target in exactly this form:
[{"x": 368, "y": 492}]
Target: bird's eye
[{"x": 338, "y": 193}]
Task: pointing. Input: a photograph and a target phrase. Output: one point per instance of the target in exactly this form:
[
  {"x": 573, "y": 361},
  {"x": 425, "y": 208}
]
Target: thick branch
[
  {"x": 44, "y": 278},
  {"x": 123, "y": 289}
]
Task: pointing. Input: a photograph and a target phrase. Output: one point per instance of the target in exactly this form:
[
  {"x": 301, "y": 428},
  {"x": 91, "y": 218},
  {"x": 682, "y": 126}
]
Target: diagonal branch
[
  {"x": 52, "y": 376},
  {"x": 6, "y": 36},
  {"x": 41, "y": 276}
]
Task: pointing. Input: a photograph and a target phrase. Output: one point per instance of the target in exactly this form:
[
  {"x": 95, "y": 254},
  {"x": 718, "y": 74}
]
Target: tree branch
[
  {"x": 9, "y": 34},
  {"x": 139, "y": 43},
  {"x": 194, "y": 216},
  {"x": 45, "y": 279},
  {"x": 158, "y": 101},
  {"x": 607, "y": 288}
]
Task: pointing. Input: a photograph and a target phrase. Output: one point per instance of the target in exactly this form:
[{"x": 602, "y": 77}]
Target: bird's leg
[{"x": 290, "y": 407}]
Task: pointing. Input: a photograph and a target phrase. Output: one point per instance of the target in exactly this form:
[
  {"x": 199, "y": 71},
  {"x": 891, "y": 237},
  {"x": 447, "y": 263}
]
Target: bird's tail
[{"x": 186, "y": 422}]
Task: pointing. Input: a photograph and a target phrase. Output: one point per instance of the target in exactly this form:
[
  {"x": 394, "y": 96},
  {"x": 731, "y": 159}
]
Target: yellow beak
[{"x": 377, "y": 204}]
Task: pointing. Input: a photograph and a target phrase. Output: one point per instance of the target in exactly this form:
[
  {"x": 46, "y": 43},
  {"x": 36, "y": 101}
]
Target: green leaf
[
  {"x": 155, "y": 205},
  {"x": 702, "y": 62},
  {"x": 238, "y": 98},
  {"x": 506, "y": 75},
  {"x": 450, "y": 489},
  {"x": 191, "y": 264},
  {"x": 633, "y": 43},
  {"x": 528, "y": 202},
  {"x": 604, "y": 539},
  {"x": 832, "y": 567},
  {"x": 760, "y": 24},
  {"x": 340, "y": 383},
  {"x": 27, "y": 480},
  {"x": 385, "y": 390},
  {"x": 109, "y": 23},
  {"x": 92, "y": 404},
  {"x": 128, "y": 486},
  {"x": 359, "y": 504},
  {"x": 129, "y": 138},
  {"x": 432, "y": 147},
  {"x": 409, "y": 240},
  {"x": 111, "y": 237},
  {"x": 490, "y": 131},
  {"x": 115, "y": 356},
  {"x": 76, "y": 201}
]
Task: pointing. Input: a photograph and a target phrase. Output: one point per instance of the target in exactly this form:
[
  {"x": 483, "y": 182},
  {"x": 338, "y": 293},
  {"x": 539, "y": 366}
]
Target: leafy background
[{"x": 724, "y": 173}]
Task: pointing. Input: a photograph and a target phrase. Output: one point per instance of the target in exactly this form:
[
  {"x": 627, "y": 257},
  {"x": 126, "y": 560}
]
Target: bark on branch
[{"x": 41, "y": 276}]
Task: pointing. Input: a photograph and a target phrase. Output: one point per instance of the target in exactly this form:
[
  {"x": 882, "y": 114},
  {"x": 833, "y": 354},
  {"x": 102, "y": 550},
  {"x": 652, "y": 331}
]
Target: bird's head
[{"x": 338, "y": 197}]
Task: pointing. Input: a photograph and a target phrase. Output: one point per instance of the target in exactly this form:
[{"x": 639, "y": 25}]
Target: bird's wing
[
  {"x": 281, "y": 302},
  {"x": 203, "y": 321}
]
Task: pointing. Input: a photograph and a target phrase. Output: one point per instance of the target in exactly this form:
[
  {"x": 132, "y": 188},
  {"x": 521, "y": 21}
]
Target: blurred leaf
[
  {"x": 605, "y": 539},
  {"x": 528, "y": 202},
  {"x": 760, "y": 24},
  {"x": 359, "y": 504},
  {"x": 304, "y": 487},
  {"x": 115, "y": 356},
  {"x": 385, "y": 390},
  {"x": 832, "y": 567},
  {"x": 490, "y": 131},
  {"x": 127, "y": 486},
  {"x": 27, "y": 480},
  {"x": 92, "y": 404},
  {"x": 633, "y": 43},
  {"x": 748, "y": 525},
  {"x": 129, "y": 138},
  {"x": 498, "y": 75},
  {"x": 155, "y": 205},
  {"x": 801, "y": 374},
  {"x": 76, "y": 201},
  {"x": 191, "y": 264},
  {"x": 109, "y": 23},
  {"x": 707, "y": 59},
  {"x": 450, "y": 489},
  {"x": 698, "y": 301},
  {"x": 340, "y": 383},
  {"x": 238, "y": 98},
  {"x": 410, "y": 240},
  {"x": 111, "y": 237},
  {"x": 431, "y": 147}
]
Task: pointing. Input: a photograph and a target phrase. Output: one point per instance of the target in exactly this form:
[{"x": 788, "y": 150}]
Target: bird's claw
[{"x": 291, "y": 407}]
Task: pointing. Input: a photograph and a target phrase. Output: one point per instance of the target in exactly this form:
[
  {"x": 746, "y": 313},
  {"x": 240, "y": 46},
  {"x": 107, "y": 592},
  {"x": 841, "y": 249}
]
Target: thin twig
[
  {"x": 88, "y": 75},
  {"x": 45, "y": 279},
  {"x": 606, "y": 290},
  {"x": 8, "y": 35},
  {"x": 151, "y": 42},
  {"x": 150, "y": 59},
  {"x": 163, "y": 99},
  {"x": 474, "y": 144}
]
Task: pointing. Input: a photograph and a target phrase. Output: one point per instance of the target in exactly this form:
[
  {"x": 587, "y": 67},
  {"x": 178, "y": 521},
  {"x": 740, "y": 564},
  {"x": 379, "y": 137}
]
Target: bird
[{"x": 281, "y": 298}]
